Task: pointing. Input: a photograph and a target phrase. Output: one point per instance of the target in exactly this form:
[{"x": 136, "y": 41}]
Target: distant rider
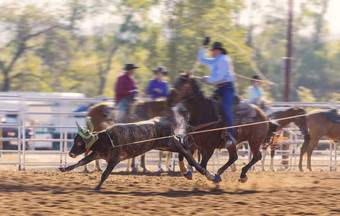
[
  {"x": 125, "y": 91},
  {"x": 255, "y": 93},
  {"x": 158, "y": 88}
]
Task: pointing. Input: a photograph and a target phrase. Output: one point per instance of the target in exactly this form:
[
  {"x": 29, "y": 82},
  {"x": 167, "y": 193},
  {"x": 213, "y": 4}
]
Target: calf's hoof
[
  {"x": 188, "y": 175},
  {"x": 217, "y": 178},
  {"x": 243, "y": 180},
  {"x": 62, "y": 169}
]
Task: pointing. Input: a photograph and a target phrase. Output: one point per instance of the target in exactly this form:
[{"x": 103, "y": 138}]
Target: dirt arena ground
[{"x": 265, "y": 193}]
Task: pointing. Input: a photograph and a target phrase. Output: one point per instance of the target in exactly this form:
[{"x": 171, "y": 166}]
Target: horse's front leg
[
  {"x": 187, "y": 154},
  {"x": 304, "y": 149},
  {"x": 272, "y": 154},
  {"x": 263, "y": 159},
  {"x": 143, "y": 164},
  {"x": 255, "y": 149},
  {"x": 82, "y": 162},
  {"x": 232, "y": 158},
  {"x": 187, "y": 174}
]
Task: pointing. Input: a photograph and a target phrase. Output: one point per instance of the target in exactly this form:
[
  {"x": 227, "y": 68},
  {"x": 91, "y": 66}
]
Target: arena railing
[{"x": 217, "y": 160}]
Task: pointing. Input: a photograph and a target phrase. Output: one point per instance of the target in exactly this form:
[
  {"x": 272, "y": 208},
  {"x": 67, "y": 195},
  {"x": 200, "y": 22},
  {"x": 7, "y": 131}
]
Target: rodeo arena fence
[{"x": 37, "y": 130}]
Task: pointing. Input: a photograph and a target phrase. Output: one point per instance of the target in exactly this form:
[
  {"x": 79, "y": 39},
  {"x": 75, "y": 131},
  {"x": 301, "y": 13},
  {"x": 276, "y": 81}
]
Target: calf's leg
[
  {"x": 110, "y": 166},
  {"x": 82, "y": 162}
]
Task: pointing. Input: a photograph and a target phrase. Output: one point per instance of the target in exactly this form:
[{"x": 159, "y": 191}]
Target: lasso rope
[
  {"x": 206, "y": 131},
  {"x": 245, "y": 53},
  {"x": 251, "y": 62}
]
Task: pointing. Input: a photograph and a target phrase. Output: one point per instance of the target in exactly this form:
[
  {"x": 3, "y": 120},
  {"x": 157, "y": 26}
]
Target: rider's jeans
[
  {"x": 123, "y": 106},
  {"x": 227, "y": 94}
]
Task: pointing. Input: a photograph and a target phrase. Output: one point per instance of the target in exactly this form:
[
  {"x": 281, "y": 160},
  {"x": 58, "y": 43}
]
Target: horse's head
[{"x": 184, "y": 88}]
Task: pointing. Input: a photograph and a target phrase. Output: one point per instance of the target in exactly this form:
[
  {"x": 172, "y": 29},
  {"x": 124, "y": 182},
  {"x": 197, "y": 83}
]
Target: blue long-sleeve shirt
[
  {"x": 154, "y": 84},
  {"x": 254, "y": 93},
  {"x": 220, "y": 68}
]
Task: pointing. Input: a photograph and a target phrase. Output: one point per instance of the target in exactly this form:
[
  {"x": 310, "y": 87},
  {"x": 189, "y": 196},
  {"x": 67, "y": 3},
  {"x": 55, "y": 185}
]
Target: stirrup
[{"x": 231, "y": 141}]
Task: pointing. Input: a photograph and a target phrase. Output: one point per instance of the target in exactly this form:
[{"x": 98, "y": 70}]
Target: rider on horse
[
  {"x": 158, "y": 88},
  {"x": 125, "y": 90},
  {"x": 223, "y": 77}
]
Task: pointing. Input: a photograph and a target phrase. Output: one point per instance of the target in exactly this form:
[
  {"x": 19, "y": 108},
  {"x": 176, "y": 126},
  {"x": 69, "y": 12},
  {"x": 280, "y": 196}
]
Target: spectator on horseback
[
  {"x": 255, "y": 93},
  {"x": 158, "y": 88},
  {"x": 222, "y": 76},
  {"x": 125, "y": 90}
]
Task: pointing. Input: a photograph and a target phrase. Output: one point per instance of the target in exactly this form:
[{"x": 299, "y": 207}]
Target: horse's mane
[
  {"x": 195, "y": 86},
  {"x": 205, "y": 103}
]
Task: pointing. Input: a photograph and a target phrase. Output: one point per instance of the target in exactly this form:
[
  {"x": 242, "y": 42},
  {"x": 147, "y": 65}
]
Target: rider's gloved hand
[{"x": 206, "y": 41}]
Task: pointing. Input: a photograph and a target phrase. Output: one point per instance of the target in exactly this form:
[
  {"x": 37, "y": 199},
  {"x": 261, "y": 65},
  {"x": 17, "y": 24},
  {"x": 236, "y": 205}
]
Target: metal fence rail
[{"x": 321, "y": 158}]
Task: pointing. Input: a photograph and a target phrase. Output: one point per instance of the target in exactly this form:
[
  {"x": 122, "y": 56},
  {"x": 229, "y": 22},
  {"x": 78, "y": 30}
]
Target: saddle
[
  {"x": 333, "y": 116},
  {"x": 243, "y": 112}
]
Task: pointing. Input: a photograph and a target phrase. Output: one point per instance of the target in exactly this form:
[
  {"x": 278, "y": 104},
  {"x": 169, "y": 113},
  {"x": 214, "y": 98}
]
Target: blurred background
[{"x": 81, "y": 45}]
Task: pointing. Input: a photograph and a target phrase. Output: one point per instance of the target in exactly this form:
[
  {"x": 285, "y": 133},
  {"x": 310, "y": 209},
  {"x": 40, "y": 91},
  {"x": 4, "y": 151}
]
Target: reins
[{"x": 204, "y": 125}]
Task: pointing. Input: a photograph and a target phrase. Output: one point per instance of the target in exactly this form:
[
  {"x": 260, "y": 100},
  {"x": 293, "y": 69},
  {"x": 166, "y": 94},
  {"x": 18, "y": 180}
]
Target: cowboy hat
[
  {"x": 160, "y": 69},
  {"x": 256, "y": 77},
  {"x": 129, "y": 66},
  {"x": 219, "y": 46}
]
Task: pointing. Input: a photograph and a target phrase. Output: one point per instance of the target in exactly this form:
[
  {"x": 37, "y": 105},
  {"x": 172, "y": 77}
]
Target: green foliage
[
  {"x": 46, "y": 51},
  {"x": 305, "y": 94}
]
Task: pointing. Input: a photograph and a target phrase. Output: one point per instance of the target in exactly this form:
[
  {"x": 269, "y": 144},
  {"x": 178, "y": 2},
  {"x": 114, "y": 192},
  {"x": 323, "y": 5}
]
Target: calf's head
[{"x": 84, "y": 140}]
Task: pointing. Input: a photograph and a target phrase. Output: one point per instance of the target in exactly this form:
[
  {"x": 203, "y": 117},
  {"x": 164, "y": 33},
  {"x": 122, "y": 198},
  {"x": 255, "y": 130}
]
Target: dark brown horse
[
  {"x": 203, "y": 111},
  {"x": 300, "y": 122},
  {"x": 145, "y": 111},
  {"x": 101, "y": 118},
  {"x": 319, "y": 126}
]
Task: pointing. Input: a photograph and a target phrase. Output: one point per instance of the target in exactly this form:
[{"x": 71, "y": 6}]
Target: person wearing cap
[
  {"x": 255, "y": 92},
  {"x": 125, "y": 91},
  {"x": 158, "y": 88},
  {"x": 222, "y": 77}
]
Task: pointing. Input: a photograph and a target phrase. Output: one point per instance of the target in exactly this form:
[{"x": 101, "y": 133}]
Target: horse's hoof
[
  {"x": 188, "y": 175},
  {"x": 160, "y": 170},
  {"x": 134, "y": 170},
  {"x": 96, "y": 188},
  {"x": 62, "y": 169},
  {"x": 86, "y": 171},
  {"x": 243, "y": 180},
  {"x": 145, "y": 169},
  {"x": 217, "y": 178}
]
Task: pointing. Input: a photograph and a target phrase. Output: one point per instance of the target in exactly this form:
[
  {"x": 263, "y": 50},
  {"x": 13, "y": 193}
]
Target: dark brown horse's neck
[{"x": 201, "y": 109}]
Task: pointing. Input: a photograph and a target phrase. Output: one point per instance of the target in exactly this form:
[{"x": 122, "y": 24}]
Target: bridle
[{"x": 187, "y": 87}]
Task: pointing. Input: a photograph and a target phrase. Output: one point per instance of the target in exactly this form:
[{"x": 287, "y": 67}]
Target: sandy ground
[{"x": 265, "y": 193}]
